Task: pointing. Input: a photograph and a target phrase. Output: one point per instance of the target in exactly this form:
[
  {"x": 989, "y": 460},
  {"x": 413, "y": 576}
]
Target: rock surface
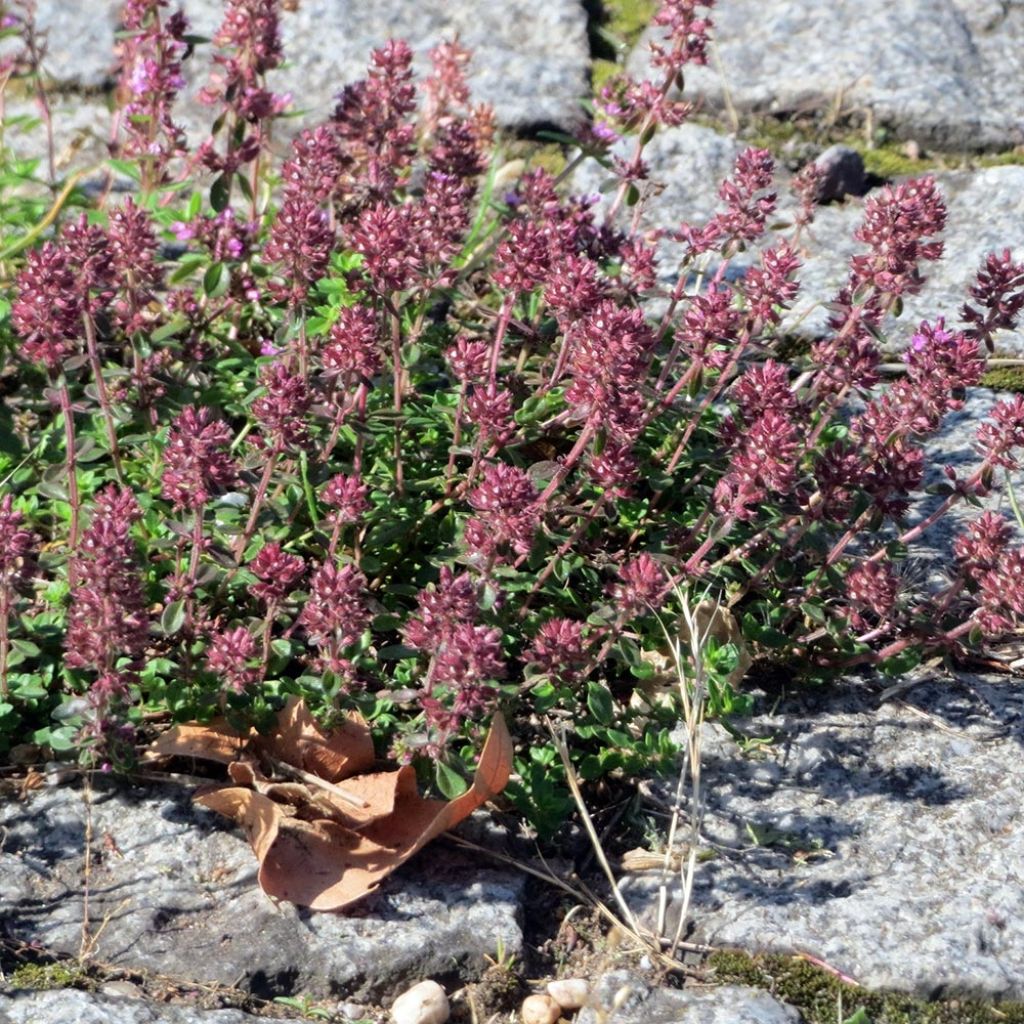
[
  {"x": 948, "y": 73},
  {"x": 622, "y": 997},
  {"x": 69, "y": 1006},
  {"x": 530, "y": 58},
  {"x": 176, "y": 892},
  {"x": 885, "y": 838}
]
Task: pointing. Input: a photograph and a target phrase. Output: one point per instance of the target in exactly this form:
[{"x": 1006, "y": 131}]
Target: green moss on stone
[
  {"x": 601, "y": 70},
  {"x": 891, "y": 162},
  {"x": 615, "y": 27},
  {"x": 627, "y": 19},
  {"x": 551, "y": 156},
  {"x": 817, "y": 994},
  {"x": 1013, "y": 158},
  {"x": 46, "y": 976},
  {"x": 1004, "y": 378}
]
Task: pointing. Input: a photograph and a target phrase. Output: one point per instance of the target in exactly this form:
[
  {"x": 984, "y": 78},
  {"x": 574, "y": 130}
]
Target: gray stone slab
[
  {"x": 531, "y": 58},
  {"x": 949, "y": 73},
  {"x": 175, "y": 891},
  {"x": 687, "y": 163},
  {"x": 622, "y": 997},
  {"x": 886, "y": 839},
  {"x": 69, "y": 1006}
]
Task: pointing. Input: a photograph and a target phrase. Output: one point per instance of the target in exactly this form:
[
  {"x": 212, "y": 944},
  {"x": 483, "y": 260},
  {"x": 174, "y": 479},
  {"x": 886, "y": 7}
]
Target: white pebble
[
  {"x": 569, "y": 993},
  {"x": 539, "y": 1010},
  {"x": 424, "y": 1003}
]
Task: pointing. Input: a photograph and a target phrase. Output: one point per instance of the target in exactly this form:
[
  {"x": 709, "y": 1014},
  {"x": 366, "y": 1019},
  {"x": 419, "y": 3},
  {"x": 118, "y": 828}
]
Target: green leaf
[
  {"x": 173, "y": 618},
  {"x": 25, "y": 648},
  {"x": 216, "y": 280},
  {"x": 900, "y": 664},
  {"x": 545, "y": 697},
  {"x": 62, "y": 738},
  {"x": 814, "y": 612},
  {"x": 599, "y": 702},
  {"x": 173, "y": 326},
  {"x": 860, "y": 1017},
  {"x": 396, "y": 652},
  {"x": 220, "y": 193},
  {"x": 29, "y": 689},
  {"x": 281, "y": 647},
  {"x": 449, "y": 782},
  {"x": 127, "y": 168}
]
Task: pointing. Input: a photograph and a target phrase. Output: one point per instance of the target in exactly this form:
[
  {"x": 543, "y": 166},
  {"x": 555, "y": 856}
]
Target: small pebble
[
  {"x": 352, "y": 1011},
  {"x": 569, "y": 993},
  {"x": 842, "y": 174},
  {"x": 539, "y": 1010},
  {"x": 122, "y": 990},
  {"x": 912, "y": 149},
  {"x": 424, "y": 1003}
]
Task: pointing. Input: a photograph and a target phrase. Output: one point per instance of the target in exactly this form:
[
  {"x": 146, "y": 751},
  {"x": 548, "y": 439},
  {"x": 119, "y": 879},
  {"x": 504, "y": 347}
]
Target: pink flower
[
  {"x": 335, "y": 613},
  {"x": 559, "y": 650},
  {"x": 281, "y": 411},
  {"x": 999, "y": 290},
  {"x": 277, "y": 571},
  {"x": 230, "y": 657},
  {"x": 347, "y": 495},
  {"x": 642, "y": 586},
  {"x": 353, "y": 349},
  {"x": 506, "y": 499},
  {"x": 441, "y": 608},
  {"x": 301, "y": 239},
  {"x": 107, "y": 617},
  {"x": 197, "y": 463},
  {"x": 47, "y": 312},
  {"x": 871, "y": 589}
]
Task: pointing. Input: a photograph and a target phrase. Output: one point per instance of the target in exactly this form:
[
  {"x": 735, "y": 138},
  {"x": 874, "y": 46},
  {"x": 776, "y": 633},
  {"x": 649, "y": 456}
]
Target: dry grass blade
[
  {"x": 558, "y": 736},
  {"x": 314, "y": 780}
]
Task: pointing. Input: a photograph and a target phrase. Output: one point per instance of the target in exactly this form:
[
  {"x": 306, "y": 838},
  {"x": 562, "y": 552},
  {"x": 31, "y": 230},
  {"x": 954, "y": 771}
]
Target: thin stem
[
  {"x": 548, "y": 569},
  {"x": 449, "y": 470},
  {"x": 586, "y": 435},
  {"x": 101, "y": 388},
  {"x": 399, "y": 384},
  {"x": 70, "y": 459},
  {"x": 257, "y": 506},
  {"x": 499, "y": 336},
  {"x": 5, "y": 611}
]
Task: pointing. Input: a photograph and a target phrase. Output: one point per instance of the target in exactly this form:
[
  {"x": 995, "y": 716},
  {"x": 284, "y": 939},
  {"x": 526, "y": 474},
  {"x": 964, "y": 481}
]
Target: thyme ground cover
[{"x": 383, "y": 426}]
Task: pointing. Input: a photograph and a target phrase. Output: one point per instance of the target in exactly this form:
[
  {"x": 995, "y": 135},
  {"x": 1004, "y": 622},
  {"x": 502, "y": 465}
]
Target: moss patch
[
  {"x": 818, "y": 995},
  {"x": 551, "y": 156},
  {"x": 890, "y": 162},
  {"x": 62, "y": 974},
  {"x": 614, "y": 27},
  {"x": 1004, "y": 378},
  {"x": 627, "y": 19},
  {"x": 1012, "y": 158}
]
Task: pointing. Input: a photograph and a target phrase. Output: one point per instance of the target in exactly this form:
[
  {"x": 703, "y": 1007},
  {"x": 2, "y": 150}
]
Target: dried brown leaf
[
  {"x": 216, "y": 741},
  {"x": 325, "y": 865},
  {"x": 298, "y": 740}
]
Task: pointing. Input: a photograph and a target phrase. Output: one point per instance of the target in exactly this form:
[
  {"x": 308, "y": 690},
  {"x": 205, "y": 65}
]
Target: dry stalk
[
  {"x": 644, "y": 940},
  {"x": 693, "y": 695},
  {"x": 86, "y": 944}
]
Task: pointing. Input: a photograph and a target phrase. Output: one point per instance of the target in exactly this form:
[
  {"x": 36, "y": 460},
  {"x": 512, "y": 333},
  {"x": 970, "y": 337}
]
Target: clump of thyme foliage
[{"x": 353, "y": 422}]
